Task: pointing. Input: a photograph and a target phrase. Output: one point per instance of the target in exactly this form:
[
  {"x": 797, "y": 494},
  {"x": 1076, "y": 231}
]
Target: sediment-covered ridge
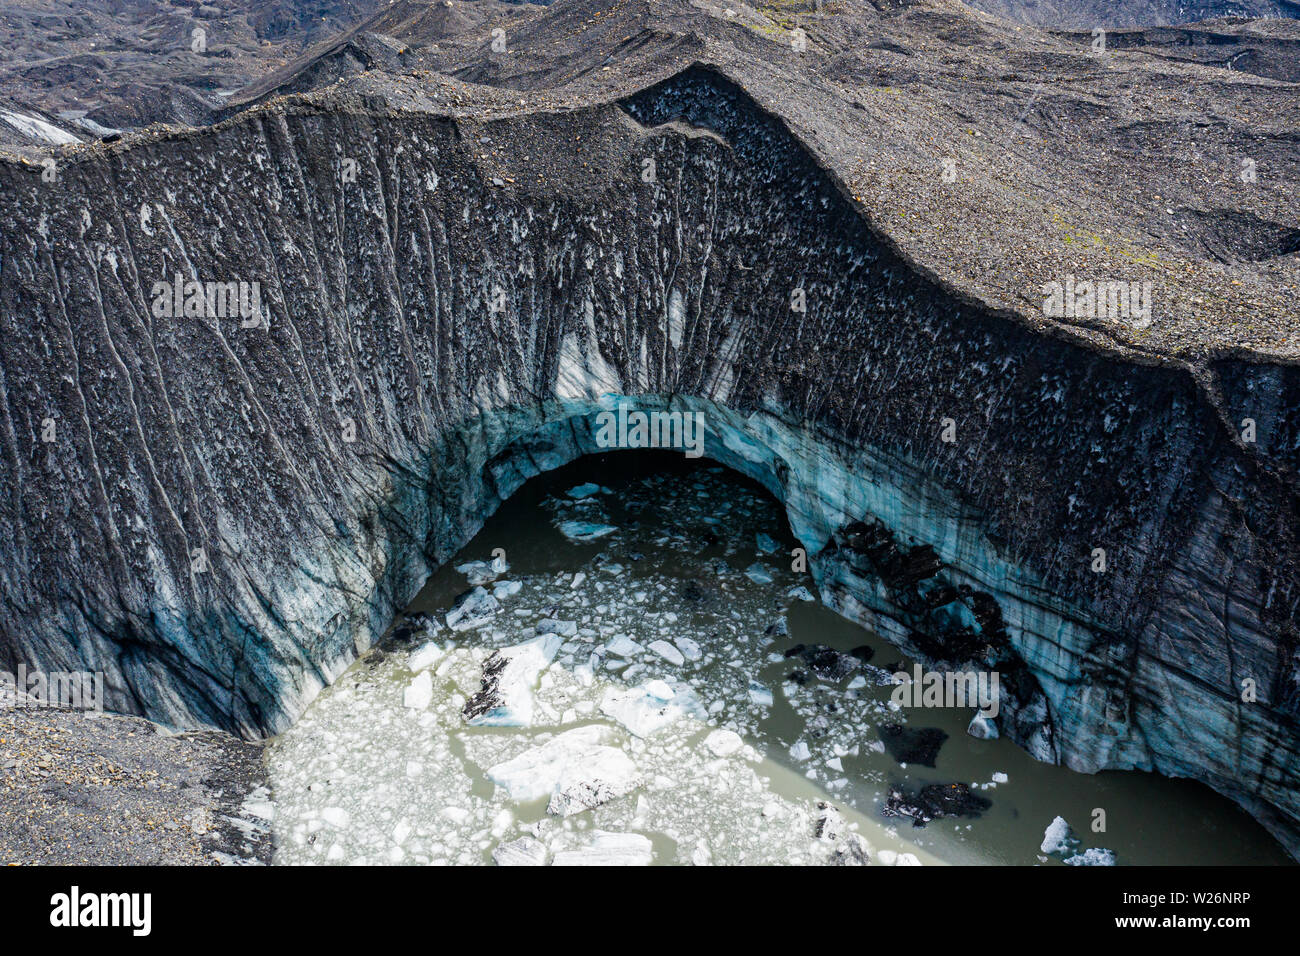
[{"x": 221, "y": 514}]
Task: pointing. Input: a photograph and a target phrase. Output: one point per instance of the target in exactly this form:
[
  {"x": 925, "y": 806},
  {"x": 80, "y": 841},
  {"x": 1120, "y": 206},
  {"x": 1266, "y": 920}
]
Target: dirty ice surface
[{"x": 642, "y": 678}]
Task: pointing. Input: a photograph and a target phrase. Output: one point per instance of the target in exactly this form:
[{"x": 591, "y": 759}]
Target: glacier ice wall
[{"x": 222, "y": 515}]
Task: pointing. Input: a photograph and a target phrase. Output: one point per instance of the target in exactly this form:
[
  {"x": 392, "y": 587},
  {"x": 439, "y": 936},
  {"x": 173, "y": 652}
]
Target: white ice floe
[
  {"x": 758, "y": 574},
  {"x": 549, "y": 625},
  {"x": 336, "y": 817},
  {"x": 585, "y": 531},
  {"x": 506, "y": 589},
  {"x": 510, "y": 676},
  {"x": 577, "y": 770},
  {"x": 482, "y": 572},
  {"x": 472, "y": 609},
  {"x": 982, "y": 728},
  {"x": 668, "y": 652},
  {"x": 419, "y": 694},
  {"x": 723, "y": 743},
  {"x": 526, "y": 851},
  {"x": 1058, "y": 837},
  {"x": 646, "y": 709},
  {"x": 1094, "y": 856},
  {"x": 689, "y": 648},
  {"x": 425, "y": 656},
  {"x": 624, "y": 646},
  {"x": 609, "y": 849}
]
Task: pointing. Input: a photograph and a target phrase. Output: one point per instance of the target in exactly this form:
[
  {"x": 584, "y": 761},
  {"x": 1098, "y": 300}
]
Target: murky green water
[{"x": 374, "y": 772}]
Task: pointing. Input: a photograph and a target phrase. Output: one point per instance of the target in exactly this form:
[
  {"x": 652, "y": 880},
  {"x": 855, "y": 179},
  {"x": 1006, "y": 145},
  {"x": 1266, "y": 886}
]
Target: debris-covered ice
[{"x": 509, "y": 677}]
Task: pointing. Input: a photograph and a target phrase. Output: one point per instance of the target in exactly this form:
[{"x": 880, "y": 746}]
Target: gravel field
[{"x": 86, "y": 788}]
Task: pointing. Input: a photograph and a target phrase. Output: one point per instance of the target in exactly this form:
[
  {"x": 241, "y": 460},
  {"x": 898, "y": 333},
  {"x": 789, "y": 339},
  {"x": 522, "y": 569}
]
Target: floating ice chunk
[
  {"x": 582, "y": 532},
  {"x": 576, "y": 769},
  {"x": 765, "y": 544},
  {"x": 624, "y": 646},
  {"x": 526, "y": 851},
  {"x": 668, "y": 652},
  {"x": 759, "y": 694},
  {"x": 1095, "y": 856},
  {"x": 472, "y": 609},
  {"x": 481, "y": 572},
  {"x": 1000, "y": 777},
  {"x": 831, "y": 829},
  {"x": 336, "y": 817},
  {"x": 550, "y": 625},
  {"x": 509, "y": 677},
  {"x": 426, "y": 656},
  {"x": 586, "y": 491},
  {"x": 659, "y": 690},
  {"x": 801, "y": 593},
  {"x": 887, "y": 857},
  {"x": 723, "y": 743},
  {"x": 690, "y": 650},
  {"x": 982, "y": 728},
  {"x": 800, "y": 751},
  {"x": 609, "y": 849},
  {"x": 907, "y": 859},
  {"x": 857, "y": 682},
  {"x": 1058, "y": 837},
  {"x": 642, "y": 711},
  {"x": 401, "y": 832},
  {"x": 758, "y": 574},
  {"x": 506, "y": 589},
  {"x": 419, "y": 694}
]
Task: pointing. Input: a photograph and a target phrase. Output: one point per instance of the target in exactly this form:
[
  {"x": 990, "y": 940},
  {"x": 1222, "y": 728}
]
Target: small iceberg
[
  {"x": 576, "y": 769},
  {"x": 472, "y": 609},
  {"x": 623, "y": 646},
  {"x": 579, "y": 492},
  {"x": 609, "y": 849},
  {"x": 650, "y": 707},
  {"x": 509, "y": 678},
  {"x": 482, "y": 572},
  {"x": 758, "y": 574},
  {"x": 582, "y": 532},
  {"x": 424, "y": 657}
]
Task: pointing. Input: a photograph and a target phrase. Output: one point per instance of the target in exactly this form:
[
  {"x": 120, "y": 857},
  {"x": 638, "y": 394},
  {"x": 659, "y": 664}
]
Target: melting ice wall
[{"x": 221, "y": 516}]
